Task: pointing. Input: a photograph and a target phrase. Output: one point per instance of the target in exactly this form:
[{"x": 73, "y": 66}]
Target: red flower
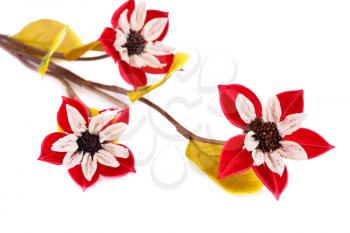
[
  {"x": 134, "y": 42},
  {"x": 87, "y": 146},
  {"x": 269, "y": 135}
]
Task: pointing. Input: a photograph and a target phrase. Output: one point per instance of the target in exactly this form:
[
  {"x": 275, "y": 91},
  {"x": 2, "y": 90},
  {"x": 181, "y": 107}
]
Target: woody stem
[{"x": 25, "y": 54}]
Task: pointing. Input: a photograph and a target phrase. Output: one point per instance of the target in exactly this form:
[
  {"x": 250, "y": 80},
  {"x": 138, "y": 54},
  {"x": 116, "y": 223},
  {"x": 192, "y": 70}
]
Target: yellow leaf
[
  {"x": 179, "y": 61},
  {"x": 206, "y": 157},
  {"x": 55, "y": 44},
  {"x": 79, "y": 51},
  {"x": 42, "y": 33}
]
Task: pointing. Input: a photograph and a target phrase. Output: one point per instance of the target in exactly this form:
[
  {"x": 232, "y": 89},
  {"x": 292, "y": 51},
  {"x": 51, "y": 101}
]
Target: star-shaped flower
[
  {"x": 270, "y": 134},
  {"x": 134, "y": 42},
  {"x": 87, "y": 147}
]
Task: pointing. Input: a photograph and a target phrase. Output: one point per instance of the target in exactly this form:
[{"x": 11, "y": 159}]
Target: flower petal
[
  {"x": 126, "y": 166},
  {"x": 291, "y": 102},
  {"x": 88, "y": 166},
  {"x": 116, "y": 150},
  {"x": 123, "y": 22},
  {"x": 77, "y": 175},
  {"x": 292, "y": 150},
  {"x": 157, "y": 48},
  {"x": 137, "y": 61},
  {"x": 118, "y": 44},
  {"x": 245, "y": 109},
  {"x": 234, "y": 159},
  {"x": 133, "y": 76},
  {"x": 138, "y": 17},
  {"x": 66, "y": 144},
  {"x": 122, "y": 115},
  {"x": 153, "y": 14},
  {"x": 107, "y": 40},
  {"x": 272, "y": 111},
  {"x": 62, "y": 116},
  {"x": 154, "y": 28},
  {"x": 275, "y": 162},
  {"x": 249, "y": 141},
  {"x": 128, "y": 5},
  {"x": 228, "y": 96},
  {"x": 49, "y": 156},
  {"x": 72, "y": 159},
  {"x": 166, "y": 60},
  {"x": 112, "y": 133},
  {"x": 76, "y": 121},
  {"x": 274, "y": 182},
  {"x": 258, "y": 157},
  {"x": 106, "y": 158},
  {"x": 98, "y": 122},
  {"x": 151, "y": 61},
  {"x": 313, "y": 143},
  {"x": 290, "y": 124}
]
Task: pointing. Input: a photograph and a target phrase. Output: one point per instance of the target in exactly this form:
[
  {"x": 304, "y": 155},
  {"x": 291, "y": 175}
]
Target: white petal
[
  {"x": 249, "y": 141},
  {"x": 258, "y": 157},
  {"x": 123, "y": 22},
  {"x": 138, "y": 16},
  {"x": 88, "y": 166},
  {"x": 154, "y": 28},
  {"x": 120, "y": 40},
  {"x": 137, "y": 61},
  {"x": 292, "y": 150},
  {"x": 76, "y": 120},
  {"x": 245, "y": 109},
  {"x": 116, "y": 150},
  {"x": 272, "y": 111},
  {"x": 275, "y": 163},
  {"x": 72, "y": 159},
  {"x": 158, "y": 48},
  {"x": 66, "y": 144},
  {"x": 151, "y": 60},
  {"x": 290, "y": 124},
  {"x": 106, "y": 158},
  {"x": 101, "y": 120},
  {"x": 112, "y": 132}
]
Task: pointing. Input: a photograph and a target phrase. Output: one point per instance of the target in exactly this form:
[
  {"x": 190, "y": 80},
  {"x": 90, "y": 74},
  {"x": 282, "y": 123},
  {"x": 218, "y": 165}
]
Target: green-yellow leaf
[
  {"x": 42, "y": 33},
  {"x": 206, "y": 157},
  {"x": 55, "y": 44},
  {"x": 180, "y": 59}
]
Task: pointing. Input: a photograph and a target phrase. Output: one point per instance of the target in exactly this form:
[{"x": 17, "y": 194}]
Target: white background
[{"x": 277, "y": 46}]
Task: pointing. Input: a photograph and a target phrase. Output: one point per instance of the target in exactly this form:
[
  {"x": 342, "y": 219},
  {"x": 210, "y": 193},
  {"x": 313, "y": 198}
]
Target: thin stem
[{"x": 22, "y": 52}]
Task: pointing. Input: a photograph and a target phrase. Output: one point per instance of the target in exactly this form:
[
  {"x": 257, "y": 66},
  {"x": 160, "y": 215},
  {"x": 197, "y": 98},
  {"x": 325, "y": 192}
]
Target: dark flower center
[
  {"x": 89, "y": 143},
  {"x": 135, "y": 43},
  {"x": 266, "y": 133}
]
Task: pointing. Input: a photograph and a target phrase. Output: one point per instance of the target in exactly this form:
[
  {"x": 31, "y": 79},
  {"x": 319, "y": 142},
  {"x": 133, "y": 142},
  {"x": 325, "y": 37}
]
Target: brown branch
[
  {"x": 23, "y": 53},
  {"x": 39, "y": 52}
]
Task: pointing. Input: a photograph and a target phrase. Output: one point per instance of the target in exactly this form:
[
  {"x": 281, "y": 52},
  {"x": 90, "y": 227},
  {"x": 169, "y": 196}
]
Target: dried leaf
[
  {"x": 180, "y": 59},
  {"x": 206, "y": 157}
]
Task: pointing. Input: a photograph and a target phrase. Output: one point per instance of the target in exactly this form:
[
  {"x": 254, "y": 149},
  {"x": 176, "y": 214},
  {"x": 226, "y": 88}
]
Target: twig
[{"x": 21, "y": 51}]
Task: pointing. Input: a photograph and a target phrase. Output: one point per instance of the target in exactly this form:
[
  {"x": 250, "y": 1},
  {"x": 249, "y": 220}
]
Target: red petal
[
  {"x": 133, "y": 76},
  {"x": 152, "y": 14},
  {"x": 77, "y": 174},
  {"x": 291, "y": 102},
  {"x": 234, "y": 159},
  {"x": 166, "y": 59},
  {"x": 107, "y": 40},
  {"x": 313, "y": 143},
  {"x": 62, "y": 118},
  {"x": 126, "y": 165},
  {"x": 122, "y": 117},
  {"x": 49, "y": 156},
  {"x": 130, "y": 5},
  {"x": 274, "y": 182},
  {"x": 228, "y": 95}
]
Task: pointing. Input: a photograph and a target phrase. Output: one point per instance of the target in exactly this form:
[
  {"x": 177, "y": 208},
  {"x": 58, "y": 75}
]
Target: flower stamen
[
  {"x": 89, "y": 143},
  {"x": 135, "y": 43}
]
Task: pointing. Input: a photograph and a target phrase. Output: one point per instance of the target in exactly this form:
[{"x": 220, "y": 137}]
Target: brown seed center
[
  {"x": 135, "y": 43},
  {"x": 266, "y": 133}
]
